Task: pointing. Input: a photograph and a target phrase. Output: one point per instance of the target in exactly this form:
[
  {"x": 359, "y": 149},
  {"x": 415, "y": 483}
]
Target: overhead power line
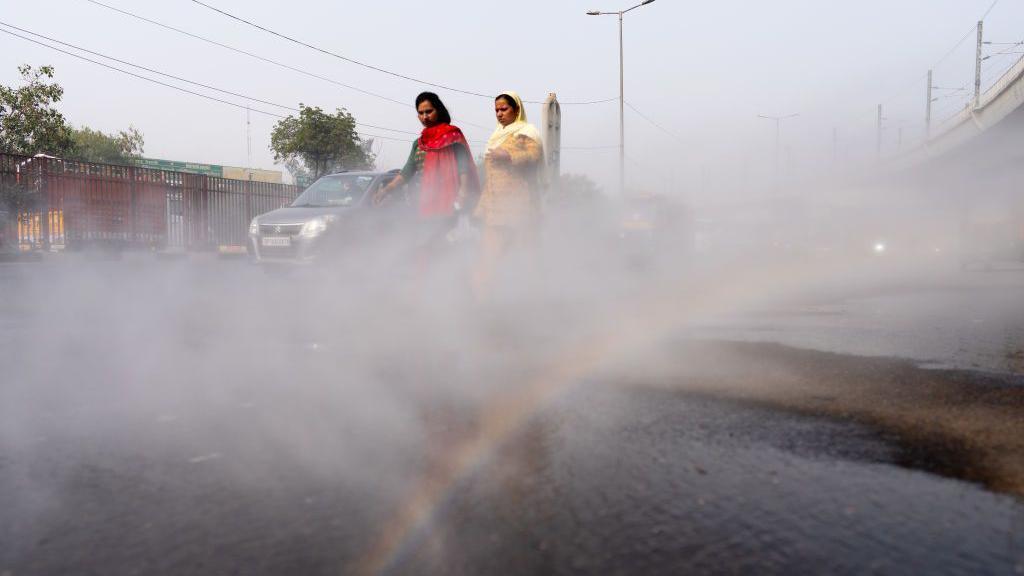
[
  {"x": 186, "y": 80},
  {"x": 655, "y": 124},
  {"x": 172, "y": 86},
  {"x": 373, "y": 67},
  {"x": 207, "y": 86},
  {"x": 141, "y": 77},
  {"x": 966, "y": 35},
  {"x": 944, "y": 57},
  {"x": 262, "y": 58},
  {"x": 247, "y": 53},
  {"x": 335, "y": 54}
]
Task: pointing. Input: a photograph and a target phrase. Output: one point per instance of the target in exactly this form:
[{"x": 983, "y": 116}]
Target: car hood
[{"x": 294, "y": 215}]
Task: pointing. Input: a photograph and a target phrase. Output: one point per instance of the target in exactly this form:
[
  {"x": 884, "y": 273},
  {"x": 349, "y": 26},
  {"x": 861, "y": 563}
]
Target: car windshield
[{"x": 335, "y": 190}]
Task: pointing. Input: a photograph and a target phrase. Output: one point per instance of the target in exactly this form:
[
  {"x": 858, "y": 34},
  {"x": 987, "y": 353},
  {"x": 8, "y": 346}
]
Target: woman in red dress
[{"x": 440, "y": 166}]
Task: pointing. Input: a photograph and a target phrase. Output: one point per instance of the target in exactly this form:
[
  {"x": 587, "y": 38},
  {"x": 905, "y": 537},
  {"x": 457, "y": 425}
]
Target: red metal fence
[{"x": 54, "y": 203}]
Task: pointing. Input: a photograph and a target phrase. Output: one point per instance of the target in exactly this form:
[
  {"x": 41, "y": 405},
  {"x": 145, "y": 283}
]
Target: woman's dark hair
[
  {"x": 511, "y": 101},
  {"x": 443, "y": 117}
]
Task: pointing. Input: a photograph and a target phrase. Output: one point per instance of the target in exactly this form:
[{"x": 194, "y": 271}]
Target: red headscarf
[{"x": 440, "y": 178}]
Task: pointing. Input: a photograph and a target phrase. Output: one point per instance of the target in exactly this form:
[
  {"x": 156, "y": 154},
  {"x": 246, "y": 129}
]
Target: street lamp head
[
  {"x": 594, "y": 12},
  {"x": 646, "y": 2}
]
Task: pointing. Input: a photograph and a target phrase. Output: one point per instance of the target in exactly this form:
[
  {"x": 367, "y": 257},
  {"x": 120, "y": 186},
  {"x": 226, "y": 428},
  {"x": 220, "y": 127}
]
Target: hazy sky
[{"x": 702, "y": 70}]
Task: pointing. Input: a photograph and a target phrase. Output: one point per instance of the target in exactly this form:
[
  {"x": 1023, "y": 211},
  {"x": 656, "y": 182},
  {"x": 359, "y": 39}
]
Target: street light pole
[
  {"x": 622, "y": 92},
  {"x": 778, "y": 129}
]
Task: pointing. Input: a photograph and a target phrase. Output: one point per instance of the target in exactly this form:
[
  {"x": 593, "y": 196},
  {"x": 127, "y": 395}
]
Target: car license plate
[{"x": 276, "y": 241}]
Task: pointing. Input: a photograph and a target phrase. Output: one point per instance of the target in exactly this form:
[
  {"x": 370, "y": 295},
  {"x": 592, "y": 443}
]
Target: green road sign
[{"x": 175, "y": 166}]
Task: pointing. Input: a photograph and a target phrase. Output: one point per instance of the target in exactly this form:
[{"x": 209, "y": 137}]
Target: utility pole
[
  {"x": 977, "y": 66},
  {"x": 928, "y": 111},
  {"x": 778, "y": 128},
  {"x": 622, "y": 114},
  {"x": 878, "y": 134}
]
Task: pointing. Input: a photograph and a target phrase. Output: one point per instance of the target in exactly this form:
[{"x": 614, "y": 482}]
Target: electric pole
[
  {"x": 977, "y": 66},
  {"x": 778, "y": 129},
  {"x": 928, "y": 111}
]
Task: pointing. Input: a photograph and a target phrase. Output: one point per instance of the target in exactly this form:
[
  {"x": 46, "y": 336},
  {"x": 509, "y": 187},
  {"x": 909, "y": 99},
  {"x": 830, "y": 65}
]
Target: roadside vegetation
[{"x": 31, "y": 123}]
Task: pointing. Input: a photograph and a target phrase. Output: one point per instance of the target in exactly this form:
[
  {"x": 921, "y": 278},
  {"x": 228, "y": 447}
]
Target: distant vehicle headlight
[
  {"x": 254, "y": 227},
  {"x": 880, "y": 247},
  {"x": 316, "y": 226}
]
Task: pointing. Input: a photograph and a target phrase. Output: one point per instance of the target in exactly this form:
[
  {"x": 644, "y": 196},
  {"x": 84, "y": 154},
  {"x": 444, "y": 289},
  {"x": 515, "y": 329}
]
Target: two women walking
[{"x": 441, "y": 167}]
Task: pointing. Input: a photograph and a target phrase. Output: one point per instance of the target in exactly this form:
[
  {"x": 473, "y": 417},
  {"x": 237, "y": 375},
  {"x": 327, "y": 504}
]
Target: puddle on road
[{"x": 657, "y": 482}]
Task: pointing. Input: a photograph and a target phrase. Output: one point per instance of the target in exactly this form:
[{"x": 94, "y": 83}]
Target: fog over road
[
  {"x": 198, "y": 417},
  {"x": 967, "y": 320}
]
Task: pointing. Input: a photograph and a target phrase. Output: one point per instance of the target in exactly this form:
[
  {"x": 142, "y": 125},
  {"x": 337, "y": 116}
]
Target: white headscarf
[{"x": 518, "y": 128}]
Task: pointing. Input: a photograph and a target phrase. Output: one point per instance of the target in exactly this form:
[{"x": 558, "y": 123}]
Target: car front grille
[{"x": 280, "y": 229}]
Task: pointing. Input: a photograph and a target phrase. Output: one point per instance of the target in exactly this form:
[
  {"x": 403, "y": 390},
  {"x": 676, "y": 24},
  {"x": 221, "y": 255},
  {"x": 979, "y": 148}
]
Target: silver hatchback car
[{"x": 334, "y": 205}]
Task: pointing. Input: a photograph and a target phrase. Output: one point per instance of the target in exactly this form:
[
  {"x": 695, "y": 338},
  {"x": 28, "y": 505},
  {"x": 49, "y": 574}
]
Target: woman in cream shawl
[{"x": 508, "y": 208}]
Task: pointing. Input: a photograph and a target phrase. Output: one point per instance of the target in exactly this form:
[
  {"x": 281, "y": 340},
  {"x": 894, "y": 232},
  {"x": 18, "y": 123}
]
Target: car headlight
[
  {"x": 254, "y": 227},
  {"x": 316, "y": 226}
]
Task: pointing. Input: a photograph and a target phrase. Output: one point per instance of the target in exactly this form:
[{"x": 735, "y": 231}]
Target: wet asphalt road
[
  {"x": 607, "y": 482},
  {"x": 240, "y": 474},
  {"x": 957, "y": 319}
]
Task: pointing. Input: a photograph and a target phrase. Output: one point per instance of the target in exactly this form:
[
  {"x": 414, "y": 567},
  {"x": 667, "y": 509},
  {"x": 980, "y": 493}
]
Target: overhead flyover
[
  {"x": 971, "y": 173},
  {"x": 989, "y": 136}
]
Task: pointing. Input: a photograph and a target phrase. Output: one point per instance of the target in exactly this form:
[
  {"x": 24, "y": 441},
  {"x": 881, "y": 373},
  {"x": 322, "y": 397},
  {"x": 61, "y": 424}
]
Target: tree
[
  {"x": 322, "y": 142},
  {"x": 95, "y": 146},
  {"x": 29, "y": 123}
]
